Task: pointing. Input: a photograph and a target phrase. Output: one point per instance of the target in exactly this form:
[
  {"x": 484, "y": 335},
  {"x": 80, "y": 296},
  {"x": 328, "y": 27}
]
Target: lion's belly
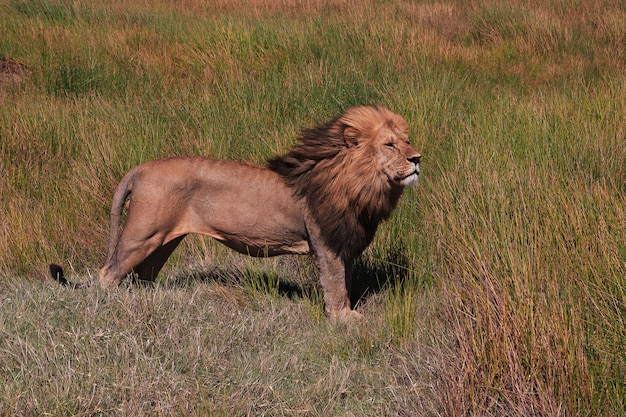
[
  {"x": 262, "y": 247},
  {"x": 251, "y": 223},
  {"x": 255, "y": 241}
]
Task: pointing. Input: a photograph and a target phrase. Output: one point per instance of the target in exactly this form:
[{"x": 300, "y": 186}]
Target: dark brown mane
[{"x": 334, "y": 170}]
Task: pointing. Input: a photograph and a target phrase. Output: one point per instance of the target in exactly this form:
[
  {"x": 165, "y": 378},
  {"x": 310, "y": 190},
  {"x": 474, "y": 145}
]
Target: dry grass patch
[{"x": 202, "y": 348}]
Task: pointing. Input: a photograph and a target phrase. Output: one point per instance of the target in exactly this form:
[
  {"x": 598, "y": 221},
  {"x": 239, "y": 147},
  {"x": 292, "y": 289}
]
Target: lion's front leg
[{"x": 335, "y": 277}]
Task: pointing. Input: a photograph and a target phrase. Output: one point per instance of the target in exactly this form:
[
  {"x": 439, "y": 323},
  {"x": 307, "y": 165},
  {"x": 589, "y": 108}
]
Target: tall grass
[{"x": 497, "y": 288}]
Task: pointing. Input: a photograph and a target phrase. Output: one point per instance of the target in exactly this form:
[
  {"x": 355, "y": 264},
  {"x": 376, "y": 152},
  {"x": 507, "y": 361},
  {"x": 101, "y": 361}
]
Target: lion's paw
[{"x": 347, "y": 316}]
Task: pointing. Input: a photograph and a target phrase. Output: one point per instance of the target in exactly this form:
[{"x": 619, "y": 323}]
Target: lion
[{"x": 325, "y": 197}]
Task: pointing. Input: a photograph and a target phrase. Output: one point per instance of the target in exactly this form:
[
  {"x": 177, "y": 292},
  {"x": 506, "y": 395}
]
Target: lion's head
[{"x": 351, "y": 173}]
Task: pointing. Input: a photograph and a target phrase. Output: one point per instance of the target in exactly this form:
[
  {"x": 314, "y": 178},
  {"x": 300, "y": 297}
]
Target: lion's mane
[{"x": 338, "y": 179}]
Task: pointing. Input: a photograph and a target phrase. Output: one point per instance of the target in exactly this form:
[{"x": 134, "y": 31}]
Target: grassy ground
[{"x": 497, "y": 288}]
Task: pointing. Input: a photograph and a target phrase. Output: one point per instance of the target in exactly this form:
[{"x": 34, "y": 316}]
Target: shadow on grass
[
  {"x": 241, "y": 277},
  {"x": 372, "y": 272},
  {"x": 375, "y": 271}
]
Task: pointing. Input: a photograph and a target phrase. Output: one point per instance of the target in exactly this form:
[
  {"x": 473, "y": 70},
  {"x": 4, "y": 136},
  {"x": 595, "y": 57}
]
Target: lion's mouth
[{"x": 411, "y": 178}]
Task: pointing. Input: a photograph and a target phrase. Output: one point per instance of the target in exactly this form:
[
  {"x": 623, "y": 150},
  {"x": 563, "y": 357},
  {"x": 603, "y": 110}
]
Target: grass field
[{"x": 498, "y": 287}]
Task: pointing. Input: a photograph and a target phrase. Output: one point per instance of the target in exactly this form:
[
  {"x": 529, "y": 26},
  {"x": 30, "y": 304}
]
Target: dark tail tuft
[{"x": 57, "y": 273}]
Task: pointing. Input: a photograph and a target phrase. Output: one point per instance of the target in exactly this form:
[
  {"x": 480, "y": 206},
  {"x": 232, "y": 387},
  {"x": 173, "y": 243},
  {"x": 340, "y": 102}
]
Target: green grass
[{"x": 497, "y": 288}]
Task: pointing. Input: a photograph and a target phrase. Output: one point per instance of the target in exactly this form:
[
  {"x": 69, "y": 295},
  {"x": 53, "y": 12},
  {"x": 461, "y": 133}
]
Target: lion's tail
[
  {"x": 57, "y": 273},
  {"x": 117, "y": 207}
]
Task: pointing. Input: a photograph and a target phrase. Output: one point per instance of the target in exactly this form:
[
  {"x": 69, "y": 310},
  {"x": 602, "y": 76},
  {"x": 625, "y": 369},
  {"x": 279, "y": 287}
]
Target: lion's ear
[{"x": 351, "y": 135}]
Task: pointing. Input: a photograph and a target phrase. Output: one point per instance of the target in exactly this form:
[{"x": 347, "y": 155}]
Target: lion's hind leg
[
  {"x": 127, "y": 256},
  {"x": 152, "y": 265},
  {"x": 146, "y": 258}
]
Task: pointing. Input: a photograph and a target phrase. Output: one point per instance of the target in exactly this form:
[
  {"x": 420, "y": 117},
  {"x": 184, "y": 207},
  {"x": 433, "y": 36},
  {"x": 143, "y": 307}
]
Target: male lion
[{"x": 325, "y": 197}]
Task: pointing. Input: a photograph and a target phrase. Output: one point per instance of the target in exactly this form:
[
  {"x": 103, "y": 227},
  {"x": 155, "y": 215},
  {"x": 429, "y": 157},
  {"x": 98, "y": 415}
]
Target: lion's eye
[{"x": 390, "y": 145}]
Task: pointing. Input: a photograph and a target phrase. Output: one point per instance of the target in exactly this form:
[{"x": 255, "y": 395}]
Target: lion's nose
[{"x": 415, "y": 159}]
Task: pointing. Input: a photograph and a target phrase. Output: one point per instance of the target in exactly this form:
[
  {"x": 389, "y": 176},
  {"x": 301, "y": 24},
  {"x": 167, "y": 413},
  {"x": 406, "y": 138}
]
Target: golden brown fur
[
  {"x": 325, "y": 197},
  {"x": 338, "y": 173}
]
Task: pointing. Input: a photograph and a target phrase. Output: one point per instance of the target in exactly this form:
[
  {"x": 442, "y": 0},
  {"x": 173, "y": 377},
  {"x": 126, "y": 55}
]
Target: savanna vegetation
[{"x": 498, "y": 288}]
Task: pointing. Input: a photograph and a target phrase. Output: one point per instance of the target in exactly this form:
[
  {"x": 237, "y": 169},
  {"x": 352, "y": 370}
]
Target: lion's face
[{"x": 397, "y": 159}]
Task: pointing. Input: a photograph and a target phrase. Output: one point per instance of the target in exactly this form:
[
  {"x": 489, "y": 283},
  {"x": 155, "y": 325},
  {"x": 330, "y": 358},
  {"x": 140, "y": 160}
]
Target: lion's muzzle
[{"x": 413, "y": 176}]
